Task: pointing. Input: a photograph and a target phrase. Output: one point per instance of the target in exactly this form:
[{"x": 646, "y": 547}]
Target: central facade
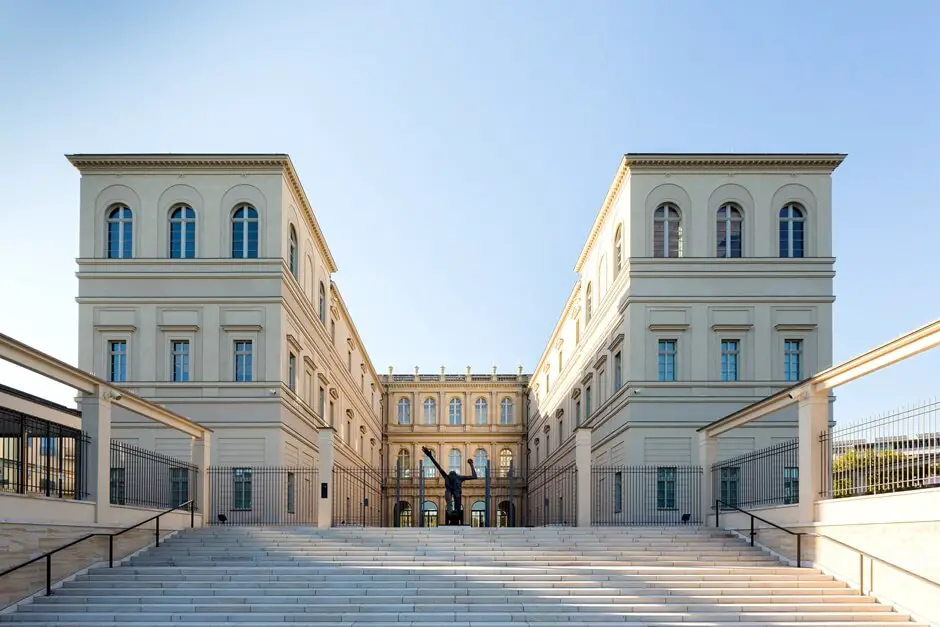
[{"x": 206, "y": 285}]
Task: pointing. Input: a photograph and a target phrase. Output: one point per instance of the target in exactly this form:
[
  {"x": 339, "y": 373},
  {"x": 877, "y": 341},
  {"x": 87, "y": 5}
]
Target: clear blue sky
[{"x": 456, "y": 153}]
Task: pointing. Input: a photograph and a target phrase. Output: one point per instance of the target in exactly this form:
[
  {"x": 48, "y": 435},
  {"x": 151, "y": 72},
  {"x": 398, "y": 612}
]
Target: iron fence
[
  {"x": 552, "y": 497},
  {"x": 891, "y": 453},
  {"x": 42, "y": 457},
  {"x": 769, "y": 476},
  {"x": 263, "y": 495},
  {"x": 646, "y": 495},
  {"x": 358, "y": 497},
  {"x": 148, "y": 479},
  {"x": 416, "y": 497}
]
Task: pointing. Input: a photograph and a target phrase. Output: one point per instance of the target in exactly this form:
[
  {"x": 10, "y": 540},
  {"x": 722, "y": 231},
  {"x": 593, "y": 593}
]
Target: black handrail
[
  {"x": 48, "y": 555},
  {"x": 861, "y": 565},
  {"x": 799, "y": 534}
]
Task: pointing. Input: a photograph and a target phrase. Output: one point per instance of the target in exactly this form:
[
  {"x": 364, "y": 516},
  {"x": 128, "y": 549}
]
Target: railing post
[
  {"x": 420, "y": 507},
  {"x": 799, "y": 550},
  {"x": 192, "y": 515},
  {"x": 717, "y": 513},
  {"x": 158, "y": 530},
  {"x": 487, "y": 500},
  {"x": 49, "y": 574},
  {"x": 753, "y": 533},
  {"x": 511, "y": 514},
  {"x": 110, "y": 550},
  {"x": 396, "y": 509}
]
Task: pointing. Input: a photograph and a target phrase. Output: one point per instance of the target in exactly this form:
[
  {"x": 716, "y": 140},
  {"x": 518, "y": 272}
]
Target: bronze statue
[{"x": 452, "y": 484}]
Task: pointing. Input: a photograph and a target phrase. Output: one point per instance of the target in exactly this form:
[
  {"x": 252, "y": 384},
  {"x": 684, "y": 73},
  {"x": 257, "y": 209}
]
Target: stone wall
[{"x": 21, "y": 541}]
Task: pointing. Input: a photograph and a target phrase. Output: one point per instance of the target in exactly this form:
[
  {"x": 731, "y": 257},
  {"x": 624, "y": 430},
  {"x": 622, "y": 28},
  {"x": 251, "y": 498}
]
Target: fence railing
[
  {"x": 765, "y": 477},
  {"x": 646, "y": 495},
  {"x": 42, "y": 457},
  {"x": 358, "y": 497},
  {"x": 263, "y": 495},
  {"x": 552, "y": 496},
  {"x": 890, "y": 453},
  {"x": 148, "y": 479}
]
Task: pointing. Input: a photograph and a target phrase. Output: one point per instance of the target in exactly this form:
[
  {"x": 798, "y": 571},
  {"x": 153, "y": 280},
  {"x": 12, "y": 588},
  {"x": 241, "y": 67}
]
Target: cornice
[
  {"x": 825, "y": 162},
  {"x": 612, "y": 194},
  {"x": 573, "y": 298},
  {"x": 338, "y": 298},
  {"x": 276, "y": 162}
]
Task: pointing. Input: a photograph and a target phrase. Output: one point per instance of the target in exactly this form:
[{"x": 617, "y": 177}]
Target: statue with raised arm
[{"x": 452, "y": 483}]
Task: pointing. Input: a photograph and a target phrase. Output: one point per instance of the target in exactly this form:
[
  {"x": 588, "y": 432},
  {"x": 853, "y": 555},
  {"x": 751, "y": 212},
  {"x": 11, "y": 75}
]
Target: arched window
[
  {"x": 505, "y": 462},
  {"x": 618, "y": 250},
  {"x": 505, "y": 412},
  {"x": 404, "y": 411},
  {"x": 430, "y": 411},
  {"x": 429, "y": 511},
  {"x": 322, "y": 303},
  {"x": 456, "y": 407},
  {"x": 183, "y": 233},
  {"x": 120, "y": 233},
  {"x": 454, "y": 460},
  {"x": 588, "y": 304},
  {"x": 292, "y": 252},
  {"x": 730, "y": 223},
  {"x": 792, "y": 235},
  {"x": 404, "y": 514},
  {"x": 245, "y": 233},
  {"x": 667, "y": 231},
  {"x": 480, "y": 461},
  {"x": 481, "y": 413},
  {"x": 404, "y": 463},
  {"x": 478, "y": 514}
]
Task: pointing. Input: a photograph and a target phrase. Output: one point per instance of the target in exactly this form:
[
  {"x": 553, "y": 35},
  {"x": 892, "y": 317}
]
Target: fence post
[
  {"x": 96, "y": 420},
  {"x": 420, "y": 507},
  {"x": 202, "y": 454},
  {"x": 813, "y": 421},
  {"x": 325, "y": 502},
  {"x": 510, "y": 515},
  {"x": 487, "y": 500},
  {"x": 708, "y": 457},
  {"x": 395, "y": 509},
  {"x": 583, "y": 467}
]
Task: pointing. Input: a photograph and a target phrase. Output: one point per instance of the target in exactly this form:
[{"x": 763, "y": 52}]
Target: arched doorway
[
  {"x": 430, "y": 514},
  {"x": 505, "y": 514},
  {"x": 478, "y": 514},
  {"x": 404, "y": 514}
]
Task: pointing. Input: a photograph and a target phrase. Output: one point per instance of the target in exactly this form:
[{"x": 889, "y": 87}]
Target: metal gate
[
  {"x": 358, "y": 497},
  {"x": 646, "y": 495},
  {"x": 263, "y": 495}
]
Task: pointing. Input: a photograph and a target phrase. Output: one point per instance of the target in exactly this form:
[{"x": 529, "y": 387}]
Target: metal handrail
[
  {"x": 861, "y": 565},
  {"x": 48, "y": 555},
  {"x": 799, "y": 534}
]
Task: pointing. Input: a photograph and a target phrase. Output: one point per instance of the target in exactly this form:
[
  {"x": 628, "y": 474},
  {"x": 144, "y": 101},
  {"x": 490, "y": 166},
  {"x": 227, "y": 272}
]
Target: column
[
  {"x": 707, "y": 456},
  {"x": 416, "y": 409},
  {"x": 813, "y": 421},
  {"x": 96, "y": 422},
  {"x": 582, "y": 455},
  {"x": 202, "y": 456},
  {"x": 325, "y": 511}
]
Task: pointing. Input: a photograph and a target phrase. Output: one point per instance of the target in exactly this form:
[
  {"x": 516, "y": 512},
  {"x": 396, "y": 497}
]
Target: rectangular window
[
  {"x": 561, "y": 432},
  {"x": 577, "y": 413},
  {"x": 333, "y": 332},
  {"x": 666, "y": 487},
  {"x": 179, "y": 486},
  {"x": 117, "y": 360},
  {"x": 618, "y": 373},
  {"x": 791, "y": 485},
  {"x": 667, "y": 360},
  {"x": 332, "y": 424},
  {"x": 729, "y": 485},
  {"x": 577, "y": 331},
  {"x": 180, "y": 356},
  {"x": 321, "y": 402},
  {"x": 729, "y": 360},
  {"x": 602, "y": 386},
  {"x": 561, "y": 361},
  {"x": 587, "y": 402},
  {"x": 618, "y": 492},
  {"x": 118, "y": 486},
  {"x": 242, "y": 488},
  {"x": 292, "y": 372},
  {"x": 243, "y": 360},
  {"x": 362, "y": 383},
  {"x": 291, "y": 496},
  {"x": 548, "y": 382},
  {"x": 349, "y": 361},
  {"x": 792, "y": 360}
]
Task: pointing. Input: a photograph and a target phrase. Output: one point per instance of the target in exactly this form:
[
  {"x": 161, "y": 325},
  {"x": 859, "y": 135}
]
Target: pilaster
[
  {"x": 583, "y": 464},
  {"x": 708, "y": 456},
  {"x": 813, "y": 421},
  {"x": 96, "y": 422},
  {"x": 325, "y": 511}
]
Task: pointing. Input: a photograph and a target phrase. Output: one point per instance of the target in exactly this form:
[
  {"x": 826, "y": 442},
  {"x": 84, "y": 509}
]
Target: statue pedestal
[{"x": 454, "y": 518}]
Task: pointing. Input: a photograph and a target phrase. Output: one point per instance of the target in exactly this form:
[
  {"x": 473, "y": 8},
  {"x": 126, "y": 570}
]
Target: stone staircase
[{"x": 455, "y": 577}]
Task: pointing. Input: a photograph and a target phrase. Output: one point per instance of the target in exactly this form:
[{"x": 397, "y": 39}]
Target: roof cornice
[
  {"x": 572, "y": 298},
  {"x": 789, "y": 162},
  {"x": 338, "y": 298},
  {"x": 175, "y": 162}
]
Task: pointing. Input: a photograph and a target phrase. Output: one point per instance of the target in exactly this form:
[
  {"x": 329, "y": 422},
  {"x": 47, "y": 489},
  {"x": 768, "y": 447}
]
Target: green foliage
[{"x": 869, "y": 471}]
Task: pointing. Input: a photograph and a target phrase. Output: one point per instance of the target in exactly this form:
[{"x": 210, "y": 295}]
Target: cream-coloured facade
[
  {"x": 705, "y": 284},
  {"x": 205, "y": 285}
]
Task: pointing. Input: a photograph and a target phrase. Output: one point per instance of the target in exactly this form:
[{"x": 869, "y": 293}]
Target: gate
[
  {"x": 646, "y": 495},
  {"x": 358, "y": 497},
  {"x": 553, "y": 496},
  {"x": 263, "y": 495}
]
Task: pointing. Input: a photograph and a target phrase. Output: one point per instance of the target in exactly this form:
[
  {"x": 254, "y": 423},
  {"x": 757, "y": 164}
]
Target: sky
[{"x": 456, "y": 153}]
